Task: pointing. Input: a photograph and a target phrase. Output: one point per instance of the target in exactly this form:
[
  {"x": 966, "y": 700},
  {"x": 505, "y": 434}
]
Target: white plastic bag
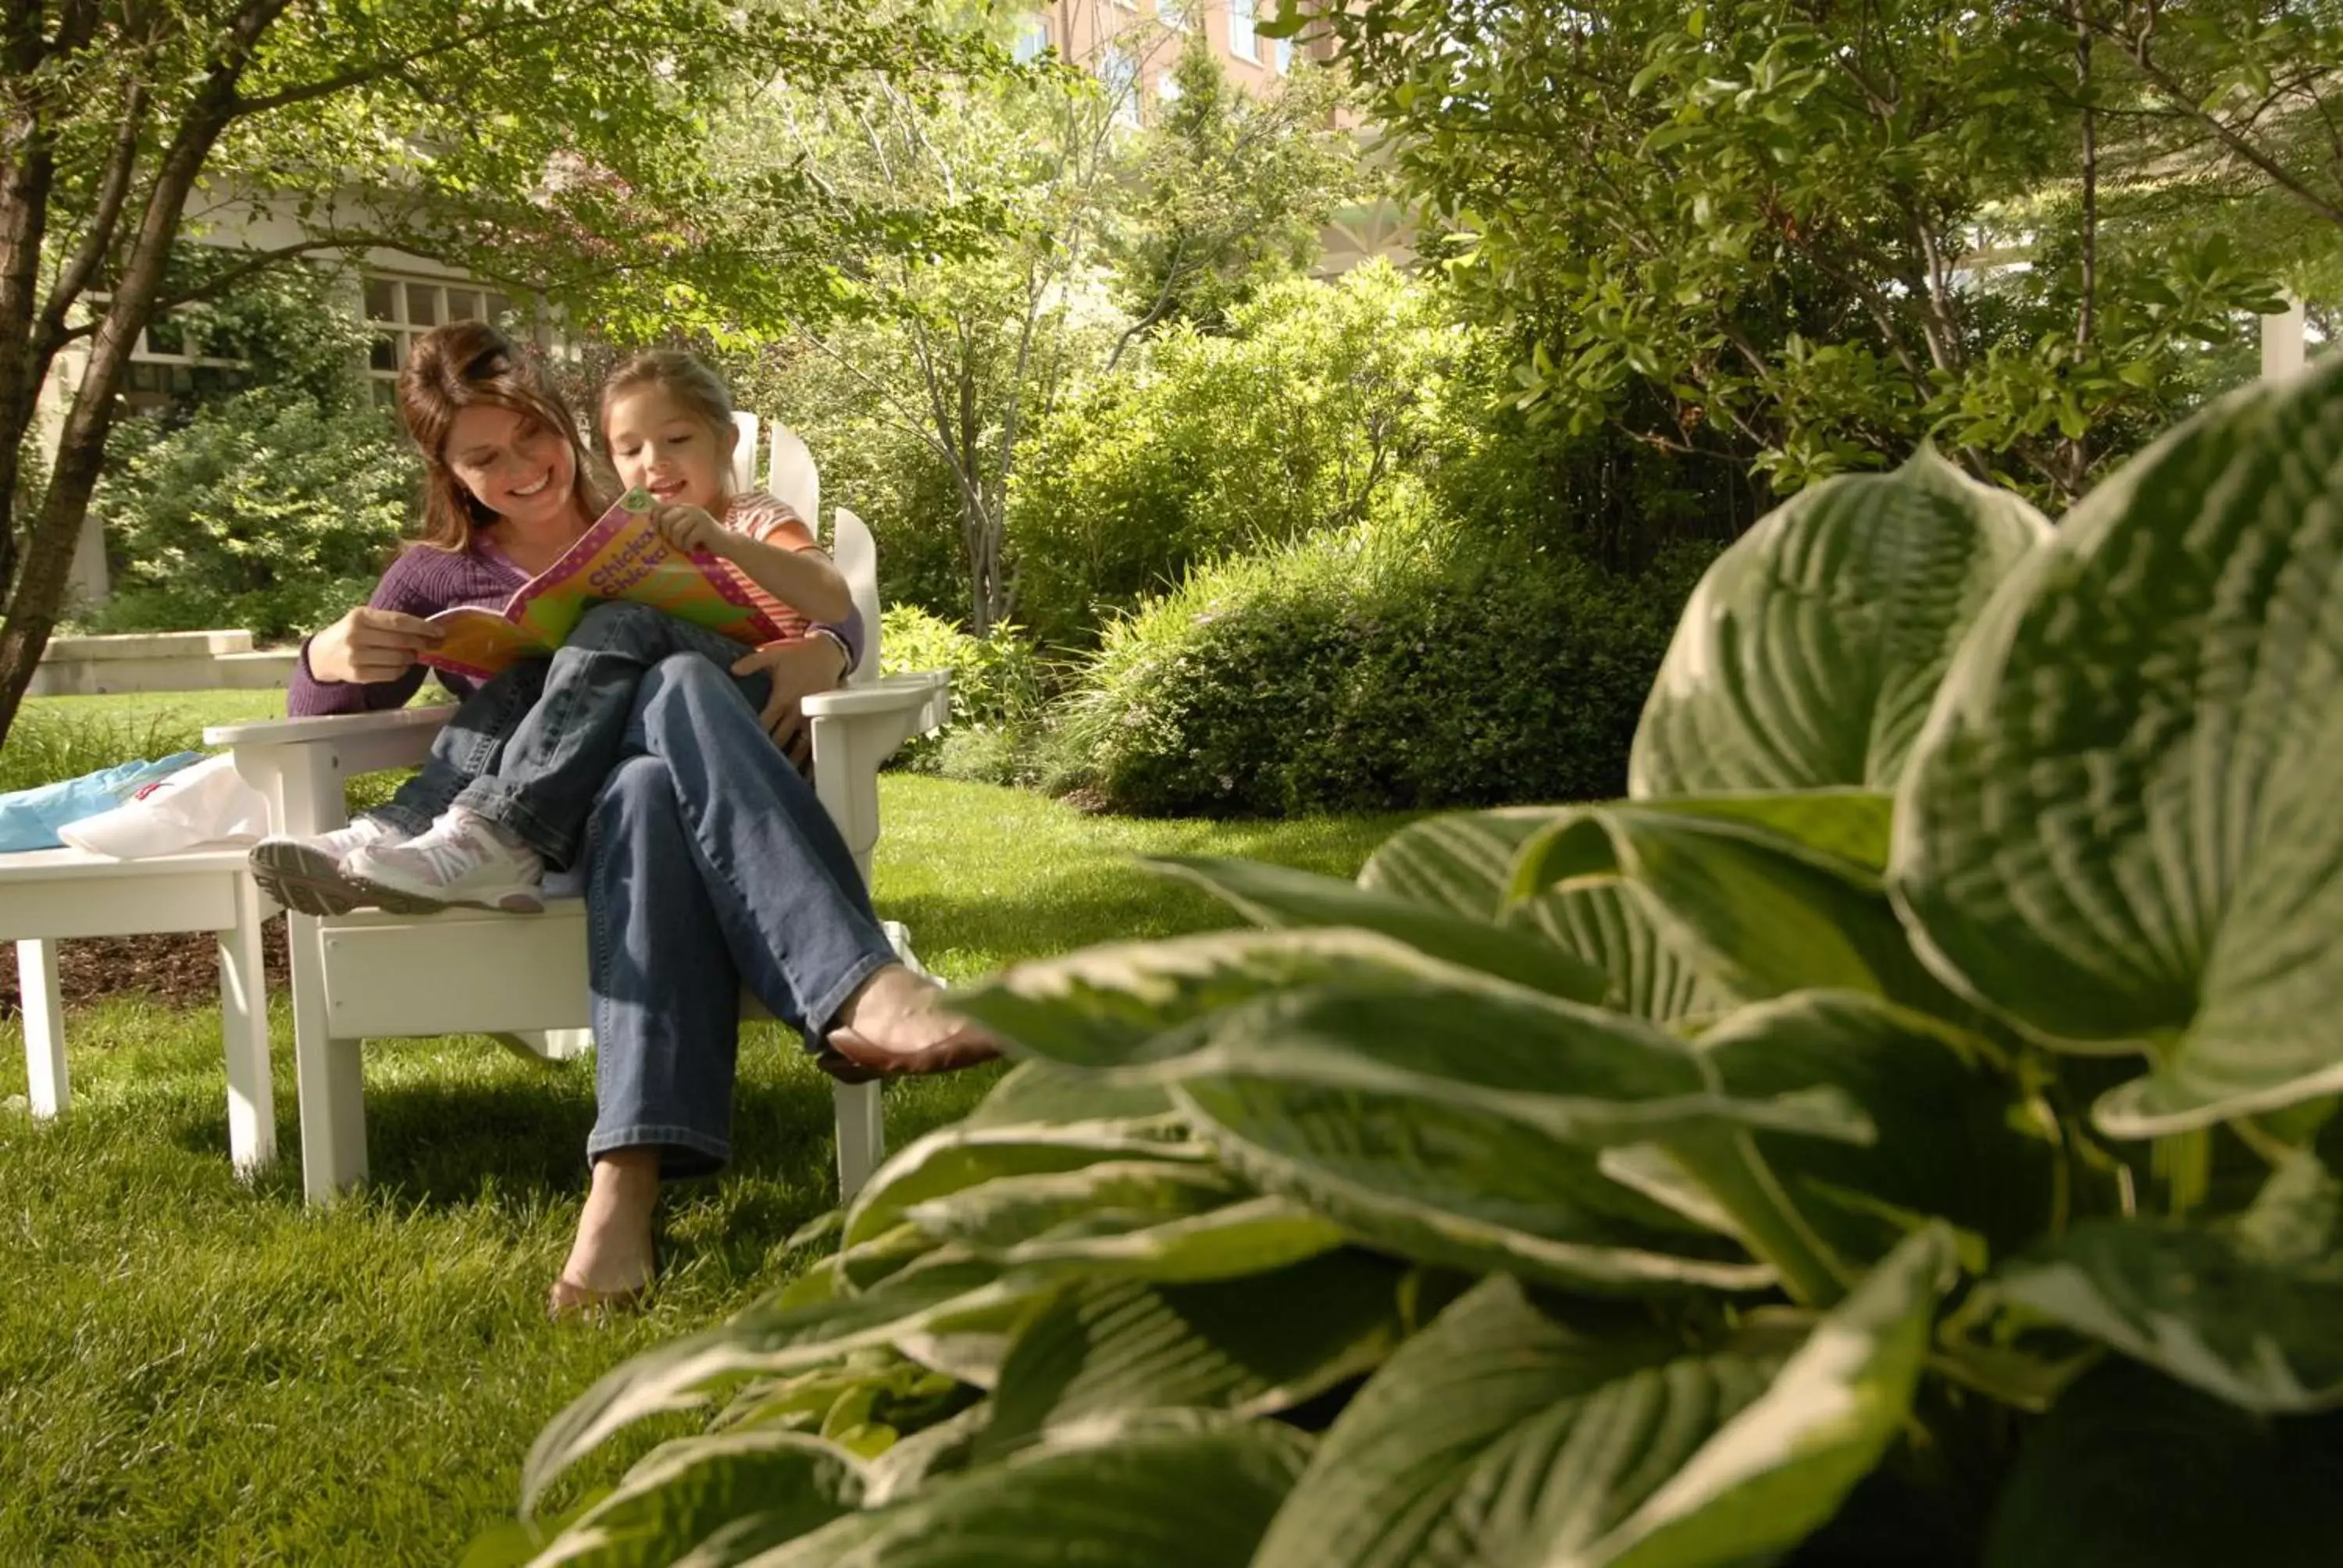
[{"x": 206, "y": 802}]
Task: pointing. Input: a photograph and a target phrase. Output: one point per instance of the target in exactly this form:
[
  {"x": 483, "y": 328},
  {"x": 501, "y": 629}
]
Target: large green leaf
[
  {"x": 1154, "y": 1495},
  {"x": 2136, "y": 1471},
  {"x": 1605, "y": 924},
  {"x": 1781, "y": 1466},
  {"x": 1125, "y": 1002},
  {"x": 1584, "y": 1076},
  {"x": 1467, "y": 863},
  {"x": 2248, "y": 1310},
  {"x": 2119, "y": 825},
  {"x": 1263, "y": 1232},
  {"x": 1251, "y": 1345},
  {"x": 764, "y": 1338},
  {"x": 1279, "y": 897},
  {"x": 1037, "y": 1092},
  {"x": 1112, "y": 1195},
  {"x": 952, "y": 1158},
  {"x": 1959, "y": 1138},
  {"x": 1483, "y": 1434},
  {"x": 1463, "y": 1128},
  {"x": 1808, "y": 655},
  {"x": 1758, "y": 912},
  {"x": 1517, "y": 1429},
  {"x": 1849, "y": 824},
  {"x": 1463, "y": 863},
  {"x": 720, "y": 1499}
]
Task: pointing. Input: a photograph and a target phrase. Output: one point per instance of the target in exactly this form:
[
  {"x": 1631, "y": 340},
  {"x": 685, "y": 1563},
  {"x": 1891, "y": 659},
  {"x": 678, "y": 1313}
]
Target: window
[
  {"x": 1242, "y": 42},
  {"x": 182, "y": 360},
  {"x": 1282, "y": 49},
  {"x": 1177, "y": 15},
  {"x": 1032, "y": 40},
  {"x": 402, "y": 309},
  {"x": 1167, "y": 86},
  {"x": 1120, "y": 72}
]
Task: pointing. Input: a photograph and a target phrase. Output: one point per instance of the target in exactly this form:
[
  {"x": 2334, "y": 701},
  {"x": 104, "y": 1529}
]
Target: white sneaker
[
  {"x": 307, "y": 873},
  {"x": 461, "y": 859}
]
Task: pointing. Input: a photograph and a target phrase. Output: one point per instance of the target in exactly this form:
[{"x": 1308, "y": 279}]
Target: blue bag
[{"x": 29, "y": 818}]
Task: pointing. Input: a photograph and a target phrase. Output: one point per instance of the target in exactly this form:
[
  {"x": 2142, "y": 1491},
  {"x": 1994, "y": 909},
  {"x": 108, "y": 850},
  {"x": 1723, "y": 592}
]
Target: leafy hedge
[
  {"x": 268, "y": 511},
  {"x": 1902, "y": 1130},
  {"x": 1306, "y": 413},
  {"x": 996, "y": 687},
  {"x": 1396, "y": 664}
]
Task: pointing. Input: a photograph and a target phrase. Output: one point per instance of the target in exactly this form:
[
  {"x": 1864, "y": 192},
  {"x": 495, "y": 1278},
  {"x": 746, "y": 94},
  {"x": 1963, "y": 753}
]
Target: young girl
[{"x": 666, "y": 420}]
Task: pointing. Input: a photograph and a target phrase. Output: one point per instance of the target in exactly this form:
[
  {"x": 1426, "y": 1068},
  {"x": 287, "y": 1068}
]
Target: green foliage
[
  {"x": 1786, "y": 233},
  {"x": 1398, "y": 663},
  {"x": 1312, "y": 407},
  {"x": 1229, "y": 192},
  {"x": 267, "y": 511},
  {"x": 996, "y": 685},
  {"x": 1844, "y": 1264},
  {"x": 942, "y": 385}
]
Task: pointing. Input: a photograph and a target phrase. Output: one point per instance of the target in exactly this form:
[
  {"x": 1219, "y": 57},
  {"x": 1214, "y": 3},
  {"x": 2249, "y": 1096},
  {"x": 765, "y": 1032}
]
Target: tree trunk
[{"x": 39, "y": 590}]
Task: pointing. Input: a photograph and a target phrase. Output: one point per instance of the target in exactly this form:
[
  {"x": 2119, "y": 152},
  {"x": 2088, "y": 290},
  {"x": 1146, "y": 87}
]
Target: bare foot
[
  {"x": 610, "y": 1262},
  {"x": 896, "y": 1025}
]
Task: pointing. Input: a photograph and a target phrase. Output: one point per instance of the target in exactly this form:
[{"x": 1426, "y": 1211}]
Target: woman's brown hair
[
  {"x": 683, "y": 377},
  {"x": 470, "y": 364}
]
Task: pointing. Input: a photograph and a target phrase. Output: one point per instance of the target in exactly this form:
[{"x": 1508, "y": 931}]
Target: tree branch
[
  {"x": 112, "y": 191},
  {"x": 2138, "y": 45}
]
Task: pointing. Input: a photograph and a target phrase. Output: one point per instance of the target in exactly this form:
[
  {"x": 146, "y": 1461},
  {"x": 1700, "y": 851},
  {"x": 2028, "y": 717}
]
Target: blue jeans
[
  {"x": 709, "y": 865},
  {"x": 564, "y": 746},
  {"x": 468, "y": 746}
]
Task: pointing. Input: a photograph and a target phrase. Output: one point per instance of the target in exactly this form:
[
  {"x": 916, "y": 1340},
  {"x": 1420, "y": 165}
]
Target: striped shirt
[{"x": 770, "y": 521}]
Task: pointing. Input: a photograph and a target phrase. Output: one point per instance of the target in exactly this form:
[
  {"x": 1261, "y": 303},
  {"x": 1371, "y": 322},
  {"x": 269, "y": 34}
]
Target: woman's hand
[
  {"x": 799, "y": 667},
  {"x": 691, "y": 529},
  {"x": 368, "y": 645}
]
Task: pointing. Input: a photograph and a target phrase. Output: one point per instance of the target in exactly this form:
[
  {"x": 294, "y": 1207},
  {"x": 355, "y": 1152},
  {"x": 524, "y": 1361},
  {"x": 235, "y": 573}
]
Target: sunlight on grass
[{"x": 192, "y": 1370}]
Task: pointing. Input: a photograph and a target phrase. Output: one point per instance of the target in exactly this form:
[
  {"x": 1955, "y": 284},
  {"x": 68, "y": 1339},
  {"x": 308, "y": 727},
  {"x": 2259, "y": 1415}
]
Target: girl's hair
[
  {"x": 683, "y": 377},
  {"x": 471, "y": 365}
]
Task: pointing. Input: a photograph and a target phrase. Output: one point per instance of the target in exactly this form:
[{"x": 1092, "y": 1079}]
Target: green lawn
[{"x": 196, "y": 1371}]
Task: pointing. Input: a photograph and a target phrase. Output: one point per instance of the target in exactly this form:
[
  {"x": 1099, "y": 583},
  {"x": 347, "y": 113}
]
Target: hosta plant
[{"x": 1891, "y": 1135}]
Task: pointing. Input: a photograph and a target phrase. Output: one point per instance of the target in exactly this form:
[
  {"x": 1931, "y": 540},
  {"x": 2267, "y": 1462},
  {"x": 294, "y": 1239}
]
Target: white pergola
[{"x": 2282, "y": 342}]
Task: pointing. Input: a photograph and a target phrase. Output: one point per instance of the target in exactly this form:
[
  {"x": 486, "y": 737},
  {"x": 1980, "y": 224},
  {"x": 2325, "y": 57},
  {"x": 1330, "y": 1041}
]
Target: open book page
[
  {"x": 480, "y": 642},
  {"x": 622, "y": 557}
]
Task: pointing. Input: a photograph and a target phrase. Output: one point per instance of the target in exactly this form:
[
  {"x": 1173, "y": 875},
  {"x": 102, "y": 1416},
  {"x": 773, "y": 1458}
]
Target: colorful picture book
[{"x": 622, "y": 557}]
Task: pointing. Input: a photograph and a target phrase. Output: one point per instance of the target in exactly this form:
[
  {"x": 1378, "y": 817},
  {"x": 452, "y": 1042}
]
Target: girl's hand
[
  {"x": 799, "y": 667},
  {"x": 367, "y": 646},
  {"x": 686, "y": 527}
]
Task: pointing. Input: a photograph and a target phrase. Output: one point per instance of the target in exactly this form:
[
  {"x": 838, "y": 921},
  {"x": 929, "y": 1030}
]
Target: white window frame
[
  {"x": 1033, "y": 39},
  {"x": 1118, "y": 71},
  {"x": 1244, "y": 15},
  {"x": 174, "y": 370},
  {"x": 403, "y": 325}
]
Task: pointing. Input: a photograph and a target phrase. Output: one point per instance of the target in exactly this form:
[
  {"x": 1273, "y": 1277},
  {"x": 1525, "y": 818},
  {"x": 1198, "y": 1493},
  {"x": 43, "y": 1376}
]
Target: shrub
[
  {"x": 996, "y": 686},
  {"x": 1395, "y": 664},
  {"x": 1319, "y": 399},
  {"x": 1903, "y": 1131},
  {"x": 268, "y": 510}
]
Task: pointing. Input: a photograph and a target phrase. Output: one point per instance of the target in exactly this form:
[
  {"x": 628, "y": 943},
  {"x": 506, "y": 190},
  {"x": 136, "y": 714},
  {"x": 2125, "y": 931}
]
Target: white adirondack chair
[
  {"x": 522, "y": 977},
  {"x": 50, "y": 895}
]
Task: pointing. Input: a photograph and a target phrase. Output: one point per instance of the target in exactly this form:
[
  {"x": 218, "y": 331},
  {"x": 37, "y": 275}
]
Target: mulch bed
[{"x": 179, "y": 968}]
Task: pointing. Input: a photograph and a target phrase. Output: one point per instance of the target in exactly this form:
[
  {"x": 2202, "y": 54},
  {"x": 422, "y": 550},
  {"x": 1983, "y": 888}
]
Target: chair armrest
[
  {"x": 298, "y": 764},
  {"x": 888, "y": 694},
  {"x": 338, "y": 727}
]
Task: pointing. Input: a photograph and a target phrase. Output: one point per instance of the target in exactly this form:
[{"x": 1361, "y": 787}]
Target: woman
[{"x": 707, "y": 864}]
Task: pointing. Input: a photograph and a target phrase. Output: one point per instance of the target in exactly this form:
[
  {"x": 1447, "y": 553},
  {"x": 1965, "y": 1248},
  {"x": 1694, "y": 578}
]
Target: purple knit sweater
[{"x": 423, "y": 582}]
